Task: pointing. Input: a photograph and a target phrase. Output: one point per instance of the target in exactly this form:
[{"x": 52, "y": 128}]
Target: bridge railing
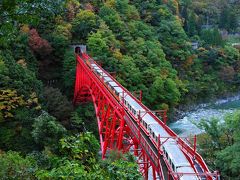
[{"x": 189, "y": 151}]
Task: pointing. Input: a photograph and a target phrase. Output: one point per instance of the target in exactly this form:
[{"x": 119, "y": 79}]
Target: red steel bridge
[{"x": 127, "y": 125}]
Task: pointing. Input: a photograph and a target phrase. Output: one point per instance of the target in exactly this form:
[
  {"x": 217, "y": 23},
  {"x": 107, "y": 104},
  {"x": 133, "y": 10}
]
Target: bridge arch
[{"x": 117, "y": 130}]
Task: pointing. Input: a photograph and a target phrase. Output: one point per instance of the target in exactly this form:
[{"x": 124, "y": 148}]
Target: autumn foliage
[{"x": 39, "y": 45}]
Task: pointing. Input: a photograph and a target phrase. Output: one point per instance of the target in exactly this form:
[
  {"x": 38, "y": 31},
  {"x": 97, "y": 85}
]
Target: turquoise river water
[{"x": 218, "y": 109}]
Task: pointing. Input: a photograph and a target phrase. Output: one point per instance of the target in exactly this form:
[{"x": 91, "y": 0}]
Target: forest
[{"x": 178, "y": 52}]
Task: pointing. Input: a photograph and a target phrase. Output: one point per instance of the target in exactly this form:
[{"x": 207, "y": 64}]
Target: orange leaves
[{"x": 189, "y": 61}]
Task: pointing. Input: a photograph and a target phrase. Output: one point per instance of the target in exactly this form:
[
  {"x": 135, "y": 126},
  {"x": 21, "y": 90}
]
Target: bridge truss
[{"x": 118, "y": 130}]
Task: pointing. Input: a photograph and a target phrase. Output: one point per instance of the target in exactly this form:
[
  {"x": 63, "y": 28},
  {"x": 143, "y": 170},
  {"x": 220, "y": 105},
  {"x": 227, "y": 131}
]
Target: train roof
[
  {"x": 118, "y": 89},
  {"x": 159, "y": 130},
  {"x": 93, "y": 64},
  {"x": 187, "y": 176},
  {"x": 113, "y": 84},
  {"x": 97, "y": 69},
  {"x": 148, "y": 118},
  {"x": 107, "y": 78},
  {"x": 175, "y": 153},
  {"x": 135, "y": 105}
]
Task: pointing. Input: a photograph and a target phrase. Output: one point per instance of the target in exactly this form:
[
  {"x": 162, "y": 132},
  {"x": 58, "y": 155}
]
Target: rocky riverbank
[{"x": 185, "y": 124}]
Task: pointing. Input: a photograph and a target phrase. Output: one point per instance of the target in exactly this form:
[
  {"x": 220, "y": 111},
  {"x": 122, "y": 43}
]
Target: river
[{"x": 186, "y": 125}]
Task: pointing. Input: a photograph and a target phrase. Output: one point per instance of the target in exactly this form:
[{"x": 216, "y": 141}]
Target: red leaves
[{"x": 38, "y": 44}]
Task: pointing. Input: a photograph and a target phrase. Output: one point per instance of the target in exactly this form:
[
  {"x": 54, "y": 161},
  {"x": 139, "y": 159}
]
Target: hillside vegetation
[{"x": 149, "y": 46}]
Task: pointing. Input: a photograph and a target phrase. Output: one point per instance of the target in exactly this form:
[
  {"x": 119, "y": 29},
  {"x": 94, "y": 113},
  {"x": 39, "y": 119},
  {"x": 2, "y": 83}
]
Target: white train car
[{"x": 173, "y": 154}]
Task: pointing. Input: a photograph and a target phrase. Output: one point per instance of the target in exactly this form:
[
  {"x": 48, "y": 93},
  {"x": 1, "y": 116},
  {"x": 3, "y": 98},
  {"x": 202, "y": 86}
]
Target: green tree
[
  {"x": 220, "y": 145},
  {"x": 68, "y": 71},
  {"x": 17, "y": 77},
  {"x": 191, "y": 24},
  {"x": 233, "y": 22},
  {"x": 212, "y": 37},
  {"x": 72, "y": 7},
  {"x": 228, "y": 161},
  {"x": 14, "y": 166},
  {"x": 72, "y": 170},
  {"x": 120, "y": 166},
  {"x": 84, "y": 119},
  {"x": 112, "y": 19},
  {"x": 47, "y": 131},
  {"x": 13, "y": 13},
  {"x": 57, "y": 104},
  {"x": 84, "y": 23},
  {"x": 97, "y": 45},
  {"x": 224, "y": 18},
  {"x": 82, "y": 147}
]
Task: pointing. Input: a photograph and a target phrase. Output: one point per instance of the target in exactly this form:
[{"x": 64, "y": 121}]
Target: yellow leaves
[
  {"x": 110, "y": 3},
  {"x": 59, "y": 19},
  {"x": 64, "y": 29},
  {"x": 8, "y": 115},
  {"x": 25, "y": 28},
  {"x": 89, "y": 7},
  {"x": 10, "y": 100},
  {"x": 164, "y": 73},
  {"x": 33, "y": 101},
  {"x": 117, "y": 54},
  {"x": 22, "y": 63},
  {"x": 72, "y": 7},
  {"x": 201, "y": 49},
  {"x": 38, "y": 107}
]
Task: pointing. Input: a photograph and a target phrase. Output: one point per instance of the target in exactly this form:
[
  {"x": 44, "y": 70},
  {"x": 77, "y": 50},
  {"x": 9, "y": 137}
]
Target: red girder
[{"x": 118, "y": 130}]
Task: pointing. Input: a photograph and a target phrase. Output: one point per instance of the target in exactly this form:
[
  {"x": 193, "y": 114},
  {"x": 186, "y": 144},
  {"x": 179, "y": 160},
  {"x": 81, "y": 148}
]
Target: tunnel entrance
[{"x": 77, "y": 50}]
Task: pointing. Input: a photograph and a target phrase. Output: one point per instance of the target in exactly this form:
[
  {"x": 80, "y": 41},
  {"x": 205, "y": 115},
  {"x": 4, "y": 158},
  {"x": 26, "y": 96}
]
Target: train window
[
  {"x": 134, "y": 112},
  {"x": 166, "y": 154},
  {"x": 170, "y": 162},
  {"x": 173, "y": 167},
  {"x": 117, "y": 93}
]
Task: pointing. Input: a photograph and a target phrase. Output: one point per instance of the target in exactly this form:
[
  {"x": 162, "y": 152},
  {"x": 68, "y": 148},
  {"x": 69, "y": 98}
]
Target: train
[{"x": 173, "y": 156}]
